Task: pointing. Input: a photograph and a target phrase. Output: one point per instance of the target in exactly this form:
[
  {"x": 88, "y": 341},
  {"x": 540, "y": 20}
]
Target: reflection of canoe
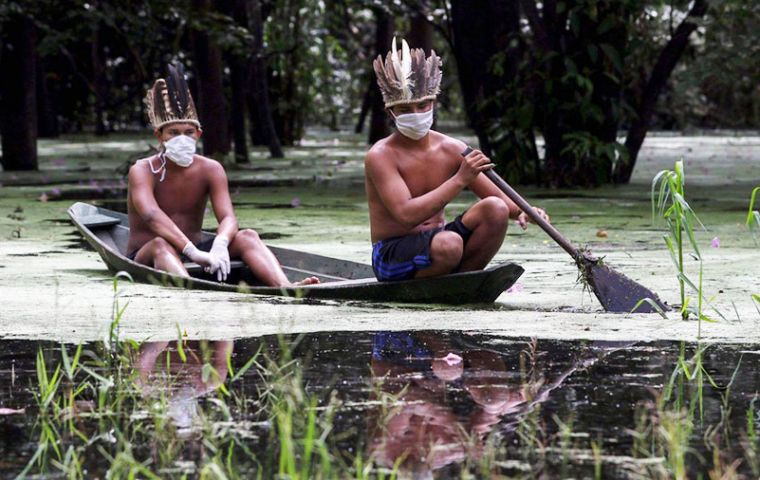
[{"x": 107, "y": 232}]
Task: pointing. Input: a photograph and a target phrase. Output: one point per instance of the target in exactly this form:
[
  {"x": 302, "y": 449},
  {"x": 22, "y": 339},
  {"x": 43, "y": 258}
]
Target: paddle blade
[{"x": 618, "y": 293}]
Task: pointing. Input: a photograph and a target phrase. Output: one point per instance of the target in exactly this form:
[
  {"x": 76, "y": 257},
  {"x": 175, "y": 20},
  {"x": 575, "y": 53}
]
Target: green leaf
[
  {"x": 606, "y": 25},
  {"x": 612, "y": 55}
]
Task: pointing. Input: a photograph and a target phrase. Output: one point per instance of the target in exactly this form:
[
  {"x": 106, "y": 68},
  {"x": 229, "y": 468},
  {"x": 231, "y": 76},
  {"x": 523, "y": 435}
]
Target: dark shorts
[
  {"x": 204, "y": 246},
  {"x": 399, "y": 258}
]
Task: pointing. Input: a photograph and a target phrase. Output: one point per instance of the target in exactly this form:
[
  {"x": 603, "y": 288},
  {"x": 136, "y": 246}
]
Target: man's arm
[
  {"x": 395, "y": 195},
  {"x": 221, "y": 202},
  {"x": 483, "y": 187},
  {"x": 144, "y": 202}
]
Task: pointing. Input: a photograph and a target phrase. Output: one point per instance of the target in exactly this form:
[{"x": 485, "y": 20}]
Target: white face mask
[
  {"x": 180, "y": 150},
  {"x": 414, "y": 125}
]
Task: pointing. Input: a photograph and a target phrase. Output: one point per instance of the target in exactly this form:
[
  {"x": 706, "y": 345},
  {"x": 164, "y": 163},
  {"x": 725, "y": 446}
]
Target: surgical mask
[
  {"x": 180, "y": 150},
  {"x": 414, "y": 125}
]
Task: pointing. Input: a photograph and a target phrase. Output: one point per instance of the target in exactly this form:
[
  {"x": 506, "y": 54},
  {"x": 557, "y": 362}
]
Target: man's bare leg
[
  {"x": 159, "y": 254},
  {"x": 488, "y": 219},
  {"x": 445, "y": 254},
  {"x": 262, "y": 262}
]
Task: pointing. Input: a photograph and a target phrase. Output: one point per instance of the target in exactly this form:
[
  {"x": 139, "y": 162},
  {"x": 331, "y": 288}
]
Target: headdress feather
[
  {"x": 169, "y": 100},
  {"x": 409, "y": 78}
]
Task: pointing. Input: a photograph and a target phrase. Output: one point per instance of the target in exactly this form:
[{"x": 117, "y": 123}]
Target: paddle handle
[{"x": 525, "y": 207}]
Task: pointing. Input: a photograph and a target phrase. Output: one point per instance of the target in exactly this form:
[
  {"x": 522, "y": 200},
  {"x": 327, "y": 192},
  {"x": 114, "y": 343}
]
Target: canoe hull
[{"x": 106, "y": 231}]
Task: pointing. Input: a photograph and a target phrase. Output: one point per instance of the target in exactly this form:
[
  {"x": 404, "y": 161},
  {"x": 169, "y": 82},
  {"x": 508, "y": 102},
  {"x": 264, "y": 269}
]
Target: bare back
[
  {"x": 182, "y": 196},
  {"x": 392, "y": 169}
]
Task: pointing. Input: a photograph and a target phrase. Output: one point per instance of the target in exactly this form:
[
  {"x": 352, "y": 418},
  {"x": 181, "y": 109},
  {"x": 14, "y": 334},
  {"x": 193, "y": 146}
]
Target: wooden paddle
[{"x": 615, "y": 291}]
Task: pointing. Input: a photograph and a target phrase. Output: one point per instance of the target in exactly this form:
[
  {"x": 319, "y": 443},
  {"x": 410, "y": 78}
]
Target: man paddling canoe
[
  {"x": 168, "y": 193},
  {"x": 411, "y": 175}
]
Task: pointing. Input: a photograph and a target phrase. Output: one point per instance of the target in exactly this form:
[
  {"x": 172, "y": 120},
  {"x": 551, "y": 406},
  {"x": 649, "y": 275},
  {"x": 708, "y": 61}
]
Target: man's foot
[{"x": 306, "y": 281}]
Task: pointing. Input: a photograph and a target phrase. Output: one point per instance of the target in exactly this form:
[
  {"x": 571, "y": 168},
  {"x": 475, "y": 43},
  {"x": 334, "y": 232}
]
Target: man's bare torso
[
  {"x": 182, "y": 196},
  {"x": 423, "y": 170}
]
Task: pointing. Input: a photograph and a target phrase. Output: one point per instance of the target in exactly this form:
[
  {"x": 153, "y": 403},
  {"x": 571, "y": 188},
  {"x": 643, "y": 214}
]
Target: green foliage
[{"x": 717, "y": 85}]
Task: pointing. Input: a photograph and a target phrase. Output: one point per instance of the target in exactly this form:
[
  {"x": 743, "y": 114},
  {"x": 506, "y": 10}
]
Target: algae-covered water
[{"x": 580, "y": 392}]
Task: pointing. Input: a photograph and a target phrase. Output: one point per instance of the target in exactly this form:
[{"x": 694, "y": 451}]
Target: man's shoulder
[
  {"x": 141, "y": 166},
  {"x": 209, "y": 164},
  {"x": 380, "y": 151},
  {"x": 447, "y": 143}
]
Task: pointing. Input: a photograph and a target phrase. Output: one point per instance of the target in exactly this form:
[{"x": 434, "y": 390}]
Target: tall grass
[
  {"x": 93, "y": 409},
  {"x": 753, "y": 215},
  {"x": 669, "y": 205}
]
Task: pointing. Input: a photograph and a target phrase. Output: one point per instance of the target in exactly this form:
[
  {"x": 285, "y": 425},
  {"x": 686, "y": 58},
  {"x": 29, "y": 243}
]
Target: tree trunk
[
  {"x": 100, "y": 88},
  {"x": 366, "y": 104},
  {"x": 473, "y": 47},
  {"x": 420, "y": 33},
  {"x": 18, "y": 113},
  {"x": 211, "y": 105},
  {"x": 259, "y": 91},
  {"x": 238, "y": 81},
  {"x": 664, "y": 66},
  {"x": 378, "y": 127},
  {"x": 47, "y": 119}
]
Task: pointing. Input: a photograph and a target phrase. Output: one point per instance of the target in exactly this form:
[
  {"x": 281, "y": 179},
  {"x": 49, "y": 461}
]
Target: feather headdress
[
  {"x": 409, "y": 78},
  {"x": 169, "y": 100}
]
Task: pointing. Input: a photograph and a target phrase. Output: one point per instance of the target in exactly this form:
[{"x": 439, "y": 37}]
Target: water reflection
[
  {"x": 442, "y": 396},
  {"x": 427, "y": 403},
  {"x": 181, "y": 376}
]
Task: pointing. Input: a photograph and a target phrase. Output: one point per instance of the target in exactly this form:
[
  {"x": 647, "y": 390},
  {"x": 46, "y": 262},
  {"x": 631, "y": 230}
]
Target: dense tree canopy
[{"x": 559, "y": 92}]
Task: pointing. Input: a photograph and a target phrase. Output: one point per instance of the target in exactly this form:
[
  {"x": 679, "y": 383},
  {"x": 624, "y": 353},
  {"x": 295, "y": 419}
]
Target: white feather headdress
[
  {"x": 409, "y": 78},
  {"x": 169, "y": 100}
]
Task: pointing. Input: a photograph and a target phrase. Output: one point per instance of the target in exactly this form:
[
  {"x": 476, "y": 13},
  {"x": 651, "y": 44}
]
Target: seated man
[
  {"x": 168, "y": 193},
  {"x": 411, "y": 175}
]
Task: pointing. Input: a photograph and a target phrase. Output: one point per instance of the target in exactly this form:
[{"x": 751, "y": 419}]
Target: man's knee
[
  {"x": 159, "y": 246},
  {"x": 248, "y": 236},
  {"x": 447, "y": 247},
  {"x": 495, "y": 209}
]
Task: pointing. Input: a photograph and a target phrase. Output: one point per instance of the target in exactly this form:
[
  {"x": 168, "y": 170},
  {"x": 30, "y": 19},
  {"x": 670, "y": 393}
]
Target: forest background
[{"x": 559, "y": 92}]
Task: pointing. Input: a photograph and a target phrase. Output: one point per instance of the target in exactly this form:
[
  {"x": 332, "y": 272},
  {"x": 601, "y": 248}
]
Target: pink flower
[
  {"x": 516, "y": 288},
  {"x": 715, "y": 243},
  {"x": 452, "y": 359},
  {"x": 295, "y": 202}
]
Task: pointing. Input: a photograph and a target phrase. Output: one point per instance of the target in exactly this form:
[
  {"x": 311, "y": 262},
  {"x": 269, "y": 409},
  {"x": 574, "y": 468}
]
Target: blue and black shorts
[{"x": 399, "y": 258}]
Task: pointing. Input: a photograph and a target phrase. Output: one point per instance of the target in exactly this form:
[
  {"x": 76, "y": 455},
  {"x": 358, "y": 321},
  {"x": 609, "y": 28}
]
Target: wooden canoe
[{"x": 107, "y": 232}]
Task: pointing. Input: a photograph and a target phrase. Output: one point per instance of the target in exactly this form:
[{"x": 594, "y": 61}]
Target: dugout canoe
[{"x": 107, "y": 232}]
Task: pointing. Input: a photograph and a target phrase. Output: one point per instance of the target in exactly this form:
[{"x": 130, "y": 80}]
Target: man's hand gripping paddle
[{"x": 615, "y": 291}]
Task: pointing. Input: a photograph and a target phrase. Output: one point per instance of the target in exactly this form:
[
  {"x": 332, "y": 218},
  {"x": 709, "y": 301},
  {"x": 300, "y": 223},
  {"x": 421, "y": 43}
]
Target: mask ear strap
[{"x": 161, "y": 169}]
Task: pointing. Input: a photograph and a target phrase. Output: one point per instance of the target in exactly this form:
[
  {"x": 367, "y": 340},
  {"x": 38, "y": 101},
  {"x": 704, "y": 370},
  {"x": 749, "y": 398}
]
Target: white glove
[
  {"x": 209, "y": 262},
  {"x": 222, "y": 254}
]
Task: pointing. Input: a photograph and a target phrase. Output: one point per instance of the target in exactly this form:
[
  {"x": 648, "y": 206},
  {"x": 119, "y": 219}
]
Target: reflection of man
[
  {"x": 163, "y": 371},
  {"x": 422, "y": 372},
  {"x": 415, "y": 172},
  {"x": 169, "y": 191}
]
